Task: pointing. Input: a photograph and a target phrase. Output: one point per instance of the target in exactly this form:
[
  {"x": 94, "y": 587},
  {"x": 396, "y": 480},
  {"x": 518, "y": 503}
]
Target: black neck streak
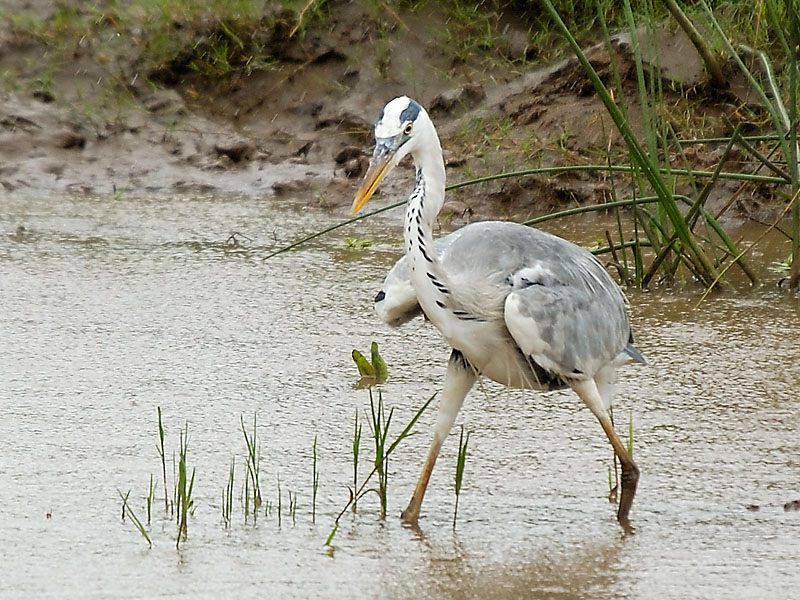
[{"x": 414, "y": 218}]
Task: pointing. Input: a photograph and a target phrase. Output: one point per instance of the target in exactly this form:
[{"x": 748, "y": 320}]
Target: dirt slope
[{"x": 303, "y": 125}]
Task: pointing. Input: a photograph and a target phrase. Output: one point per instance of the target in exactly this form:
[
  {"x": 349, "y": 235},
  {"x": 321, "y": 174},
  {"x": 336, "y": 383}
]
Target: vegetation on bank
[
  {"x": 163, "y": 42},
  {"x": 667, "y": 235}
]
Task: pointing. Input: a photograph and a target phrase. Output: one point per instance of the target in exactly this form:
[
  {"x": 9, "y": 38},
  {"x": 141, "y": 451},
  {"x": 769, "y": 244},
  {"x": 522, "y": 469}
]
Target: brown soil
[{"x": 303, "y": 127}]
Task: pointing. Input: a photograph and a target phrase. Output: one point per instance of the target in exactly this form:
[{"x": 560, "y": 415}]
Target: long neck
[{"x": 424, "y": 204}]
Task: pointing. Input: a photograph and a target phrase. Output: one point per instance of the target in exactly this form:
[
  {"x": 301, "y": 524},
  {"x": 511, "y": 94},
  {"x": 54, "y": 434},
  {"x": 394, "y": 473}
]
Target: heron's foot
[
  {"x": 410, "y": 515},
  {"x": 629, "y": 480},
  {"x": 627, "y": 528}
]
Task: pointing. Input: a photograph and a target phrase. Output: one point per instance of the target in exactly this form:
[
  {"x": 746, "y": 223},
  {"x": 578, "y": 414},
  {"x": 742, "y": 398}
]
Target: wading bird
[{"x": 520, "y": 306}]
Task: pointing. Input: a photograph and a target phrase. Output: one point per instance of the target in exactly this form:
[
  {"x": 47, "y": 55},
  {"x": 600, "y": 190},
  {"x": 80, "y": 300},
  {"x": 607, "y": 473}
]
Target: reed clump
[{"x": 286, "y": 503}]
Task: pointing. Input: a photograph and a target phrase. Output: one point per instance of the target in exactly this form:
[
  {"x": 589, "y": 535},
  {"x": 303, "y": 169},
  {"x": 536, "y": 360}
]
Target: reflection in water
[
  {"x": 450, "y": 571},
  {"x": 112, "y": 308}
]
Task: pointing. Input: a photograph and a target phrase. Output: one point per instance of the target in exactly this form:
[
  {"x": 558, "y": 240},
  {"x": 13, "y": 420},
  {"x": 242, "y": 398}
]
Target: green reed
[
  {"x": 252, "y": 466},
  {"x": 380, "y": 426},
  {"x": 314, "y": 481},
  {"x": 185, "y": 502},
  {"x": 279, "y": 505},
  {"x": 784, "y": 22},
  {"x": 629, "y": 442},
  {"x": 460, "y": 463},
  {"x": 613, "y": 484},
  {"x": 356, "y": 447},
  {"x": 227, "y": 496},
  {"x": 128, "y": 511},
  {"x": 151, "y": 491},
  {"x": 293, "y": 506},
  {"x": 163, "y": 456},
  {"x": 378, "y": 364}
]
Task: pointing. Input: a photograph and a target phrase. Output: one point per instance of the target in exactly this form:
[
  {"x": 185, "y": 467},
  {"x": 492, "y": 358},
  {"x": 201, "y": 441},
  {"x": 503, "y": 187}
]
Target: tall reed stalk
[
  {"x": 786, "y": 30},
  {"x": 645, "y": 158}
]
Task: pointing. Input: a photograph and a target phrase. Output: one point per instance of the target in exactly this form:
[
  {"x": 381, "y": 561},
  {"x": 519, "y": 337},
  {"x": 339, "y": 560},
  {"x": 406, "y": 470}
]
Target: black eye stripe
[{"x": 410, "y": 112}]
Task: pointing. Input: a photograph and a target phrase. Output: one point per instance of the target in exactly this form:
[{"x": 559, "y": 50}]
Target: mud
[{"x": 303, "y": 126}]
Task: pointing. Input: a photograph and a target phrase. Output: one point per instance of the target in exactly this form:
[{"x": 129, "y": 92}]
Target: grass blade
[{"x": 127, "y": 510}]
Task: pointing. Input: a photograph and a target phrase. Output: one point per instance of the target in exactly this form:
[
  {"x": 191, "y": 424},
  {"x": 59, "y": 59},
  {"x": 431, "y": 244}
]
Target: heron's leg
[
  {"x": 589, "y": 393},
  {"x": 457, "y": 383}
]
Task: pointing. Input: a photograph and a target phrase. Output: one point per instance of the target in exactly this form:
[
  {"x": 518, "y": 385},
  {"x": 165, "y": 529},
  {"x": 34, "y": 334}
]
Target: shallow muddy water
[{"x": 113, "y": 307}]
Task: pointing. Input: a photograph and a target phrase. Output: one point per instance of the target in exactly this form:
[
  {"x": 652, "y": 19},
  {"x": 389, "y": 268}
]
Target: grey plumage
[
  {"x": 557, "y": 284},
  {"x": 520, "y": 306}
]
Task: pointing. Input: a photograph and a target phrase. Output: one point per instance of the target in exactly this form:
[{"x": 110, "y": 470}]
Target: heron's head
[{"x": 397, "y": 133}]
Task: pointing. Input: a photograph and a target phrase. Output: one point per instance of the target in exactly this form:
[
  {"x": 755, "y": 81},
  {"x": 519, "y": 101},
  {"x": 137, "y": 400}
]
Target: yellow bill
[{"x": 379, "y": 166}]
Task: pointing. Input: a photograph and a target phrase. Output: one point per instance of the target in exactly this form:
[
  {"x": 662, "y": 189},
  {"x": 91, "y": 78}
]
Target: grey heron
[{"x": 520, "y": 306}]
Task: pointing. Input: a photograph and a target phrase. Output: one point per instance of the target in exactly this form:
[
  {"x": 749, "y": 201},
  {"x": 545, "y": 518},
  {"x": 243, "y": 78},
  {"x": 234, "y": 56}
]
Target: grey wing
[
  {"x": 396, "y": 303},
  {"x": 570, "y": 320},
  {"x": 558, "y": 302}
]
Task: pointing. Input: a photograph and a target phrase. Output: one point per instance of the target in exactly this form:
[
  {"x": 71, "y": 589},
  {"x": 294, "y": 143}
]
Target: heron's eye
[{"x": 407, "y": 129}]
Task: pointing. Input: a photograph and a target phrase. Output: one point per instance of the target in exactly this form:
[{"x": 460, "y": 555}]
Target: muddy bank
[{"x": 303, "y": 126}]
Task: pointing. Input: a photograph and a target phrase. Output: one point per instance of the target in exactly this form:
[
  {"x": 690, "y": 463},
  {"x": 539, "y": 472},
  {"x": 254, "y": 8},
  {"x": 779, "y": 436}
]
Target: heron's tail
[{"x": 633, "y": 354}]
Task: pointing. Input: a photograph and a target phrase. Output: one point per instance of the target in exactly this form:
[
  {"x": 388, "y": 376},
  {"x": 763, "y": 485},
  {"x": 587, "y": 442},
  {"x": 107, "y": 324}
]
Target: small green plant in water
[
  {"x": 782, "y": 266},
  {"x": 373, "y": 370},
  {"x": 461, "y": 460},
  {"x": 357, "y": 243}
]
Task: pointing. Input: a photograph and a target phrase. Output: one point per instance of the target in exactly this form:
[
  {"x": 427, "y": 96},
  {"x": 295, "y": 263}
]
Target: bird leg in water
[
  {"x": 459, "y": 380},
  {"x": 588, "y": 392},
  {"x": 630, "y": 474}
]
